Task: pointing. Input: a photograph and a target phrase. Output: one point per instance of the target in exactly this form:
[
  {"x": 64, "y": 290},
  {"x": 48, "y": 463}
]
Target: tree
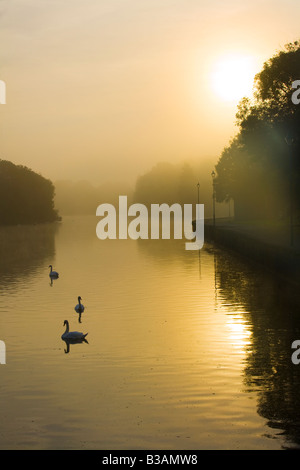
[
  {"x": 25, "y": 196},
  {"x": 258, "y": 169}
]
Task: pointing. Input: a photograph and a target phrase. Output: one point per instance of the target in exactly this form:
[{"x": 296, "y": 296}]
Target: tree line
[
  {"x": 260, "y": 168},
  {"x": 25, "y": 196}
]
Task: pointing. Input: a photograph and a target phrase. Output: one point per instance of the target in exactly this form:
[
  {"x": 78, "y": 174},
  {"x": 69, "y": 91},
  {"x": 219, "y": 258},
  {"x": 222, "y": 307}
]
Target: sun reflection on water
[{"x": 239, "y": 331}]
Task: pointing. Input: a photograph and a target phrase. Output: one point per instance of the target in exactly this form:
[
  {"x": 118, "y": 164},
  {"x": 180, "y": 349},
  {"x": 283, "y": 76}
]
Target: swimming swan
[
  {"x": 79, "y": 307},
  {"x": 72, "y": 335},
  {"x": 53, "y": 274}
]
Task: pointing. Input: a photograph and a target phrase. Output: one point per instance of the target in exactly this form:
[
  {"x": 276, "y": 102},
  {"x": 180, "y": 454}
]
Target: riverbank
[{"x": 267, "y": 244}]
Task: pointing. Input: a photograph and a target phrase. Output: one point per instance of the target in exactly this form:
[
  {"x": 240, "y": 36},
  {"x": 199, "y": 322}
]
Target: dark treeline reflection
[
  {"x": 270, "y": 308},
  {"x": 23, "y": 249},
  {"x": 272, "y": 312}
]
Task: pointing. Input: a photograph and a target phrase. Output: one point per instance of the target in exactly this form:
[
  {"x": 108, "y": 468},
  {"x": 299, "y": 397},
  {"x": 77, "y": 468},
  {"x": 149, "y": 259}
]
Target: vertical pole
[
  {"x": 291, "y": 205},
  {"x": 214, "y": 198},
  {"x": 198, "y": 186}
]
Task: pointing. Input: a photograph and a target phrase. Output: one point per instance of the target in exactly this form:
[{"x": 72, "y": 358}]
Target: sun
[{"x": 233, "y": 77}]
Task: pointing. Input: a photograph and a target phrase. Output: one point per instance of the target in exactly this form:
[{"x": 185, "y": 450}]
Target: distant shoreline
[{"x": 23, "y": 224}]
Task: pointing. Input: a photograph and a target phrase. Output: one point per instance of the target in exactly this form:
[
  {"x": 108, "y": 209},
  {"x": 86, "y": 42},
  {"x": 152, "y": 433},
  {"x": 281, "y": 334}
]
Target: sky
[{"x": 102, "y": 90}]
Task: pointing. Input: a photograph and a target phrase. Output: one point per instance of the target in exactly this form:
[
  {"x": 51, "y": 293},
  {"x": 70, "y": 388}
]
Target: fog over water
[
  {"x": 185, "y": 349},
  {"x": 102, "y": 91}
]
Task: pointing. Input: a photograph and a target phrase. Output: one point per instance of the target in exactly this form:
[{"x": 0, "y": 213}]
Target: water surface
[{"x": 186, "y": 349}]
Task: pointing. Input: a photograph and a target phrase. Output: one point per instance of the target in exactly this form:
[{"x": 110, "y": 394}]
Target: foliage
[
  {"x": 165, "y": 183},
  {"x": 25, "y": 196},
  {"x": 170, "y": 183},
  {"x": 259, "y": 164}
]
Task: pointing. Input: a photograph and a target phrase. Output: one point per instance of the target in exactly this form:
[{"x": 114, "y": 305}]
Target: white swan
[
  {"x": 72, "y": 335},
  {"x": 79, "y": 307},
  {"x": 53, "y": 274}
]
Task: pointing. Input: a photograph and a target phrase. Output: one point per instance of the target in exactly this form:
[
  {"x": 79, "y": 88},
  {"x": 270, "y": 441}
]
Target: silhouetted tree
[
  {"x": 159, "y": 185},
  {"x": 25, "y": 196},
  {"x": 172, "y": 183},
  {"x": 258, "y": 168}
]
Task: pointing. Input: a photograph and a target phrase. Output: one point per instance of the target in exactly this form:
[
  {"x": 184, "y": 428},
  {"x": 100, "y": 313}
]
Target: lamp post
[
  {"x": 198, "y": 215},
  {"x": 198, "y": 187},
  {"x": 213, "y": 175},
  {"x": 289, "y": 140}
]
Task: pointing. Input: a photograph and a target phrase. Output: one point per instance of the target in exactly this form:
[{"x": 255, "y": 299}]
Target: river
[{"x": 186, "y": 349}]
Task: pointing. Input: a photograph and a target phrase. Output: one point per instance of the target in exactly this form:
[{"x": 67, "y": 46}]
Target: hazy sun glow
[{"x": 233, "y": 77}]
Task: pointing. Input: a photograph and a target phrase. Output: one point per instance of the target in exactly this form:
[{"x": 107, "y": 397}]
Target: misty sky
[{"x": 104, "y": 89}]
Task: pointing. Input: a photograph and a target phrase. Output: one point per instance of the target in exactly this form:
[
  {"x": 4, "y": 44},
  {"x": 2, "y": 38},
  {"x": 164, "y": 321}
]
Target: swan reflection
[
  {"x": 68, "y": 342},
  {"x": 72, "y": 337},
  {"x": 52, "y": 279}
]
